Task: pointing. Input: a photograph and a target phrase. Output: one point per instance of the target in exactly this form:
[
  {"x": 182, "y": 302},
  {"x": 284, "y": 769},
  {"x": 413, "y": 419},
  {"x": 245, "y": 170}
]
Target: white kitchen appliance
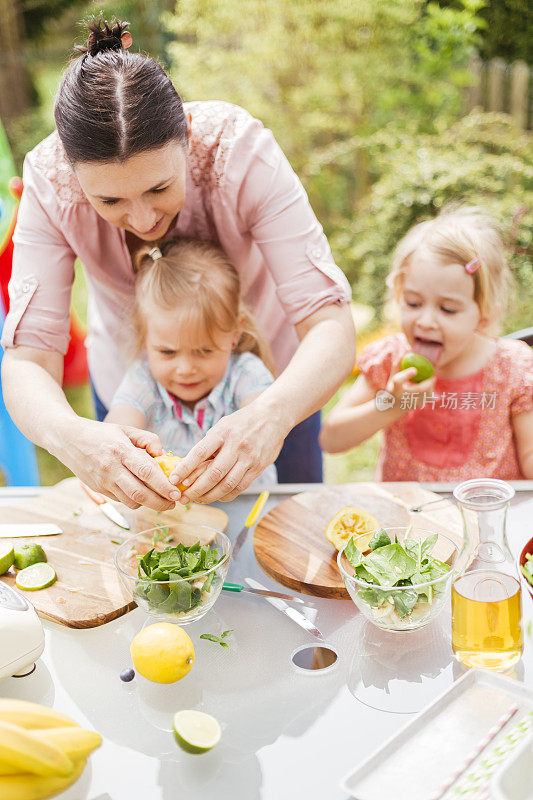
[{"x": 21, "y": 634}]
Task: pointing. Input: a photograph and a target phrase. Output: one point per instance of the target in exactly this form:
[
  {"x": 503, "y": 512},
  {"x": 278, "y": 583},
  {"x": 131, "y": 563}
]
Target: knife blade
[
  {"x": 106, "y": 507},
  {"x": 292, "y": 613},
  {"x": 238, "y": 587},
  {"x": 250, "y": 520}
]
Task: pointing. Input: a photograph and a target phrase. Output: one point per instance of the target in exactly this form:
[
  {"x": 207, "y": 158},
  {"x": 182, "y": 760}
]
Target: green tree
[
  {"x": 484, "y": 159},
  {"x": 319, "y": 72}
]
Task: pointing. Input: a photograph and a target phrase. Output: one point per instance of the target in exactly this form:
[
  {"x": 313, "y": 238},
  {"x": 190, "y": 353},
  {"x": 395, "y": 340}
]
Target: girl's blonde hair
[
  {"x": 197, "y": 279},
  {"x": 458, "y": 235}
]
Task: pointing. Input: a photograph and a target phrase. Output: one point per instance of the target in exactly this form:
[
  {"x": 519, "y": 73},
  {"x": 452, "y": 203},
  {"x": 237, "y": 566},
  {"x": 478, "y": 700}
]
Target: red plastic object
[
  {"x": 527, "y": 549},
  {"x": 75, "y": 370}
]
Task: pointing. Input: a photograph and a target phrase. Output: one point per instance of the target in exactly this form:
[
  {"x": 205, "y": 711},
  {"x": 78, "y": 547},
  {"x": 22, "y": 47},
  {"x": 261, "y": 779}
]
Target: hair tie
[
  {"x": 473, "y": 266},
  {"x": 155, "y": 253}
]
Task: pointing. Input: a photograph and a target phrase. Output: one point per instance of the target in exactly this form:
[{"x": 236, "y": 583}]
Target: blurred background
[{"x": 386, "y": 109}]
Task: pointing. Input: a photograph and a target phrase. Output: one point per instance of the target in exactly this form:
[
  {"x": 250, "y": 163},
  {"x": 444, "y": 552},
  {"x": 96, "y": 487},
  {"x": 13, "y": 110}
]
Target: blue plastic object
[{"x": 18, "y": 460}]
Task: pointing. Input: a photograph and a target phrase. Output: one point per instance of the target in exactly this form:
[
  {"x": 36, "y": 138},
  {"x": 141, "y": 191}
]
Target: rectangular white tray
[{"x": 418, "y": 760}]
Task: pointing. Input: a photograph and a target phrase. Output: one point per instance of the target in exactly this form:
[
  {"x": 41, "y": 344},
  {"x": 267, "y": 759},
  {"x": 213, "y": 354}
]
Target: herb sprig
[{"x": 217, "y": 639}]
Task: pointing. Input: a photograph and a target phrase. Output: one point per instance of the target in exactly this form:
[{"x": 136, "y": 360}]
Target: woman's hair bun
[{"x": 103, "y": 36}]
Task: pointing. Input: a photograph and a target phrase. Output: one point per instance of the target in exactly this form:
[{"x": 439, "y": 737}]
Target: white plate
[{"x": 416, "y": 762}]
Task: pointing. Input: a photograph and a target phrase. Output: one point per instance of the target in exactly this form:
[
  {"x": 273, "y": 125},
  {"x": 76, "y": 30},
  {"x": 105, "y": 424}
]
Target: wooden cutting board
[
  {"x": 290, "y": 543},
  {"x": 88, "y": 591}
]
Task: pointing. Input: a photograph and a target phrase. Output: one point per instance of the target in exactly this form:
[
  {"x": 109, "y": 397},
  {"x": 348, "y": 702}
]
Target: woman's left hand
[{"x": 240, "y": 447}]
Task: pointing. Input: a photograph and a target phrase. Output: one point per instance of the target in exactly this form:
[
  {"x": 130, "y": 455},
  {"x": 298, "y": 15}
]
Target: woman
[{"x": 128, "y": 164}]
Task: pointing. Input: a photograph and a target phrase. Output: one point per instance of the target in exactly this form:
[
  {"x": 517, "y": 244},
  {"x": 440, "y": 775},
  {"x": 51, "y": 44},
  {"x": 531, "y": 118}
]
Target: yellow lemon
[
  {"x": 350, "y": 522},
  {"x": 167, "y": 462},
  {"x": 162, "y": 652}
]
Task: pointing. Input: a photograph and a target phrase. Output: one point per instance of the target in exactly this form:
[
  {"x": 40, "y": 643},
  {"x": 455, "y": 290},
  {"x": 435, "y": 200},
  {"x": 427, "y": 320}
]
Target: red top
[{"x": 464, "y": 430}]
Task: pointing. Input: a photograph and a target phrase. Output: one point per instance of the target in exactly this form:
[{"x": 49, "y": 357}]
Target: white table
[{"x": 286, "y": 735}]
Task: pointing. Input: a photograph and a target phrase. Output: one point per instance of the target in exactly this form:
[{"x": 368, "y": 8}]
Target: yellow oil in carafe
[{"x": 486, "y": 619}]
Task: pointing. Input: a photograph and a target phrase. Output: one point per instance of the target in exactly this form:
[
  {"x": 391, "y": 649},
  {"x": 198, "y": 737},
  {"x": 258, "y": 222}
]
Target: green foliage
[
  {"x": 319, "y": 71},
  {"x": 508, "y": 31},
  {"x": 483, "y": 159}
]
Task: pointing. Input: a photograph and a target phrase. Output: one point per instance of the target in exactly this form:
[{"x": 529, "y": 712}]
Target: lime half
[
  {"x": 195, "y": 731},
  {"x": 28, "y": 554},
  {"x": 7, "y": 556},
  {"x": 38, "y": 576}
]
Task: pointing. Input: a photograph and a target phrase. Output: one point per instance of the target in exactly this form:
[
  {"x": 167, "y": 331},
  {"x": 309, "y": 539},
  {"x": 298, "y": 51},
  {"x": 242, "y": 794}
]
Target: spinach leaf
[
  {"x": 379, "y": 539},
  {"x": 352, "y": 553},
  {"x": 428, "y": 544},
  {"x": 389, "y": 564},
  {"x": 404, "y": 602}
]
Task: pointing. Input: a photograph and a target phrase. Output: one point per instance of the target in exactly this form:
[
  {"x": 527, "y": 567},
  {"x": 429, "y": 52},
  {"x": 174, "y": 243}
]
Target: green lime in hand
[
  {"x": 424, "y": 367},
  {"x": 28, "y": 554},
  {"x": 38, "y": 576},
  {"x": 196, "y": 732},
  {"x": 7, "y": 556}
]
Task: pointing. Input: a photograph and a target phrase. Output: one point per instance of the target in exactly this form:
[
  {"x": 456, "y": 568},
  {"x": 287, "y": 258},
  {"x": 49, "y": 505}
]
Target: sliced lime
[
  {"x": 196, "y": 732},
  {"x": 7, "y": 556},
  {"x": 38, "y": 576},
  {"x": 28, "y": 554}
]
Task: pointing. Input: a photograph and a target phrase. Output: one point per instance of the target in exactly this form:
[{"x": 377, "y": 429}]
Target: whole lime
[
  {"x": 424, "y": 367},
  {"x": 26, "y": 555},
  {"x": 162, "y": 652}
]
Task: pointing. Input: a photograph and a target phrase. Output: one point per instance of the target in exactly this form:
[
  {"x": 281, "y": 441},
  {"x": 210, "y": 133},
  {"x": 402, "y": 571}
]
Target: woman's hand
[
  {"x": 407, "y": 394},
  {"x": 240, "y": 447},
  {"x": 116, "y": 460}
]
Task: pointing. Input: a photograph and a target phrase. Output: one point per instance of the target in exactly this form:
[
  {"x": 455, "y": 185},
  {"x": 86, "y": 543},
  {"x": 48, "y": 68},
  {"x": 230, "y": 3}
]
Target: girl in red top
[{"x": 474, "y": 416}]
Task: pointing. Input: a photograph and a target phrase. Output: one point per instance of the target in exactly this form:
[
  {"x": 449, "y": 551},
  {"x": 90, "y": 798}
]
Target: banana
[
  {"x": 76, "y": 743},
  {"x": 31, "y": 715},
  {"x": 20, "y": 749},
  {"x": 35, "y": 787}
]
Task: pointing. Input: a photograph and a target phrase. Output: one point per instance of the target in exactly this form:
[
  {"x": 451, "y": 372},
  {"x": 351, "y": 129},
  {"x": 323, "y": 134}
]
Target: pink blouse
[
  {"x": 240, "y": 192},
  {"x": 464, "y": 429}
]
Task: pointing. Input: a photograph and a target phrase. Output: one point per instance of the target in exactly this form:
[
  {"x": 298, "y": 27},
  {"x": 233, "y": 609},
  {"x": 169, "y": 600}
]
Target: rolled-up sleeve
[
  {"x": 43, "y": 270},
  {"x": 273, "y": 205}
]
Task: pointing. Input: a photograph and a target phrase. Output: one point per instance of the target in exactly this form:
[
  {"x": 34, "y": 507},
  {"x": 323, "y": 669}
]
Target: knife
[
  {"x": 238, "y": 587},
  {"x": 106, "y": 508},
  {"x": 250, "y": 520},
  {"x": 292, "y": 613}
]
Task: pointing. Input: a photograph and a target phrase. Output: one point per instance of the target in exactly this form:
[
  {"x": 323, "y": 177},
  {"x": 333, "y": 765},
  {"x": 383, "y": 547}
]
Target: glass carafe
[{"x": 486, "y": 599}]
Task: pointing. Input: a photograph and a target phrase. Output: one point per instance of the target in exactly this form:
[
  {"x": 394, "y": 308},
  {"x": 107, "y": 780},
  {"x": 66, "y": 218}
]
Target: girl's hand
[
  {"x": 116, "y": 461},
  {"x": 239, "y": 447},
  {"x": 400, "y": 384}
]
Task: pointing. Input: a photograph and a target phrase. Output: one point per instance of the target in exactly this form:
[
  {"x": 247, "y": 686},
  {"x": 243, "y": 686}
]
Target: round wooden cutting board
[{"x": 290, "y": 543}]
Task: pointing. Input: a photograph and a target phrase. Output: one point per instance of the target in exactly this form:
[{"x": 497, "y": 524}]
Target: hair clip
[
  {"x": 473, "y": 266},
  {"x": 155, "y": 253}
]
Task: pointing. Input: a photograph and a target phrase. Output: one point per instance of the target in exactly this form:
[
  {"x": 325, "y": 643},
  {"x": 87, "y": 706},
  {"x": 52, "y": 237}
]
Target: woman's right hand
[
  {"x": 408, "y": 395},
  {"x": 116, "y": 460}
]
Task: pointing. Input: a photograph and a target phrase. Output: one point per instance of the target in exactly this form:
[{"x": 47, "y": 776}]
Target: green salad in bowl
[
  {"x": 175, "y": 573},
  {"x": 397, "y": 582}
]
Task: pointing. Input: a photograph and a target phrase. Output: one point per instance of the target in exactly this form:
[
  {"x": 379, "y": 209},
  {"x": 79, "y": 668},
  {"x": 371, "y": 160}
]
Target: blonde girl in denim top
[{"x": 199, "y": 354}]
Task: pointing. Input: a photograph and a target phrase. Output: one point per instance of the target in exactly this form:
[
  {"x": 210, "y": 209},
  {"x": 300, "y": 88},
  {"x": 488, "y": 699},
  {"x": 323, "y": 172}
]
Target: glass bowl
[
  {"x": 176, "y": 598},
  {"x": 387, "y": 607}
]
